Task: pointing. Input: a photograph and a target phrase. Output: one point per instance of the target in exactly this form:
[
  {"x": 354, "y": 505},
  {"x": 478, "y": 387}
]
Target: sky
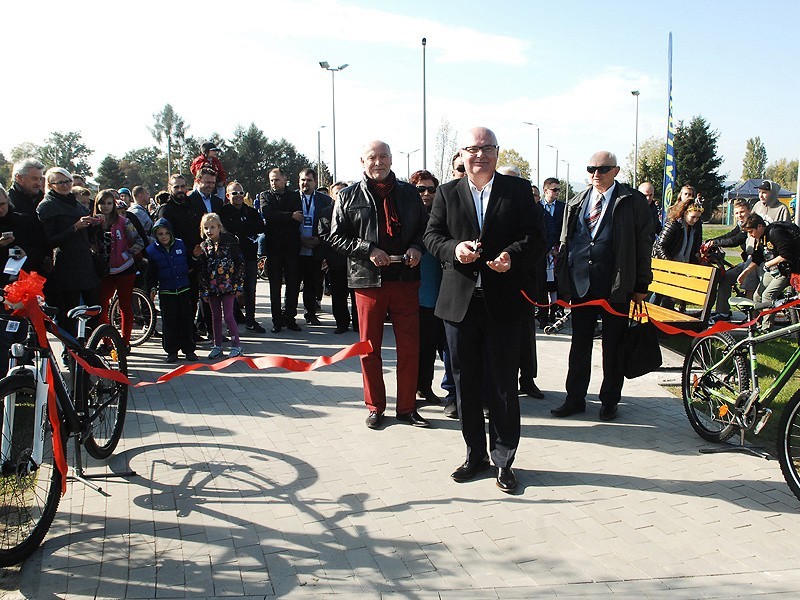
[{"x": 104, "y": 68}]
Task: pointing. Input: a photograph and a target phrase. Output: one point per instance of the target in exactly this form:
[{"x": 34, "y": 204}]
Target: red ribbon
[{"x": 718, "y": 327}]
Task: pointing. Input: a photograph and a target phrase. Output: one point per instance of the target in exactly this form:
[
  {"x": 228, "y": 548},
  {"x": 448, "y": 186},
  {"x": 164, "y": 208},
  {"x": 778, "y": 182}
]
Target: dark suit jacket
[
  {"x": 553, "y": 224},
  {"x": 196, "y": 198},
  {"x": 631, "y": 227},
  {"x": 511, "y": 224}
]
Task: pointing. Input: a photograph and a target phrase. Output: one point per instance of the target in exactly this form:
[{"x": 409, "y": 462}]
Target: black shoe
[
  {"x": 414, "y": 418},
  {"x": 531, "y": 389},
  {"x": 374, "y": 419},
  {"x": 293, "y": 326},
  {"x": 506, "y": 480},
  {"x": 255, "y": 327},
  {"x": 156, "y": 333},
  {"x": 451, "y": 410},
  {"x": 191, "y": 356},
  {"x": 312, "y": 319},
  {"x": 240, "y": 318},
  {"x": 469, "y": 469},
  {"x": 340, "y": 330},
  {"x": 608, "y": 413},
  {"x": 429, "y": 396},
  {"x": 276, "y": 329},
  {"x": 171, "y": 358},
  {"x": 567, "y": 410}
]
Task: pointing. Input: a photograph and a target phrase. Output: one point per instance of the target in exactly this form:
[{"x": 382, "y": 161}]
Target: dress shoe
[
  {"x": 276, "y": 329},
  {"x": 191, "y": 356},
  {"x": 608, "y": 413},
  {"x": 339, "y": 330},
  {"x": 531, "y": 389},
  {"x": 451, "y": 410},
  {"x": 293, "y": 326},
  {"x": 255, "y": 327},
  {"x": 506, "y": 480},
  {"x": 567, "y": 410},
  {"x": 414, "y": 418},
  {"x": 313, "y": 320},
  {"x": 469, "y": 469},
  {"x": 171, "y": 358},
  {"x": 374, "y": 419},
  {"x": 240, "y": 318},
  {"x": 429, "y": 396}
]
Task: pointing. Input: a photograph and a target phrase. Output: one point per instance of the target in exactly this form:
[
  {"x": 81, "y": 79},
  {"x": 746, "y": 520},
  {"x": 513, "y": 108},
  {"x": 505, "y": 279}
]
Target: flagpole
[{"x": 669, "y": 155}]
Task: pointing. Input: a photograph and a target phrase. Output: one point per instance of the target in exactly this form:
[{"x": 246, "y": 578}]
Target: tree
[
  {"x": 24, "y": 150},
  {"x": 66, "y": 150},
  {"x": 512, "y": 157},
  {"x": 109, "y": 173},
  {"x": 755, "y": 159},
  {"x": 282, "y": 153},
  {"x": 697, "y": 161},
  {"x": 145, "y": 166},
  {"x": 566, "y": 192},
  {"x": 5, "y": 170},
  {"x": 784, "y": 172},
  {"x": 246, "y": 159},
  {"x": 169, "y": 126},
  {"x": 652, "y": 152},
  {"x": 445, "y": 148}
]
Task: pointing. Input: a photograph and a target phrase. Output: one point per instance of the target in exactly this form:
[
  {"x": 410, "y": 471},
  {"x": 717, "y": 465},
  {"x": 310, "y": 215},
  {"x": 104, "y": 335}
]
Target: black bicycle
[
  {"x": 91, "y": 410},
  {"x": 144, "y": 316}
]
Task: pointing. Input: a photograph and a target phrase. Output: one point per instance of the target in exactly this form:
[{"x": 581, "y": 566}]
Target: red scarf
[{"x": 382, "y": 190}]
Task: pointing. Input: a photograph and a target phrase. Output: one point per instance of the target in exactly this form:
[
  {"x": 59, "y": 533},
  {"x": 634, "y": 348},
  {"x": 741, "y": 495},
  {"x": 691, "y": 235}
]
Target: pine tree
[
  {"x": 755, "y": 159},
  {"x": 109, "y": 173},
  {"x": 697, "y": 161}
]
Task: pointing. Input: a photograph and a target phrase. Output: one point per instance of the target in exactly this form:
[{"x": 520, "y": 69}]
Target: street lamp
[
  {"x": 636, "y": 142},
  {"x": 556, "y": 149},
  {"x": 333, "y": 70},
  {"x": 538, "y": 173},
  {"x": 319, "y": 155},
  {"x": 408, "y": 162},
  {"x": 566, "y": 191}
]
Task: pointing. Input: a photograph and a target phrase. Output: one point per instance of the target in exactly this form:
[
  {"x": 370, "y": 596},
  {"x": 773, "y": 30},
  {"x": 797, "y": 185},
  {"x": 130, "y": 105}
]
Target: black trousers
[
  {"x": 431, "y": 342},
  {"x": 481, "y": 349},
  {"x": 176, "y": 322},
  {"x": 339, "y": 297},
  {"x": 584, "y": 320},
  {"x": 528, "y": 362},
  {"x": 248, "y": 298},
  {"x": 283, "y": 266},
  {"x": 310, "y": 270}
]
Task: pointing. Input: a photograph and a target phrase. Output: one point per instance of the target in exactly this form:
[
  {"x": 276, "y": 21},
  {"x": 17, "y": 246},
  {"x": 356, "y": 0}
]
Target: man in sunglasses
[
  {"x": 605, "y": 255},
  {"x": 459, "y": 170},
  {"x": 485, "y": 230}
]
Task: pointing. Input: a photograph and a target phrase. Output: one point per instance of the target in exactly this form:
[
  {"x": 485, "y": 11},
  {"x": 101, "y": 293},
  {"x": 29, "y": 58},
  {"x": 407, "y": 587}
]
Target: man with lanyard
[{"x": 310, "y": 262}]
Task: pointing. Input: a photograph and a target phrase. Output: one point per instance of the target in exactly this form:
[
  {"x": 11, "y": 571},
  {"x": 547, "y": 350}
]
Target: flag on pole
[{"x": 669, "y": 157}]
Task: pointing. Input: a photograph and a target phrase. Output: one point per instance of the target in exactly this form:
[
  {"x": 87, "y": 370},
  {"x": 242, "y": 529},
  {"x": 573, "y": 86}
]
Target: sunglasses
[
  {"x": 426, "y": 188},
  {"x": 236, "y": 193},
  {"x": 603, "y": 170},
  {"x": 62, "y": 182},
  {"x": 461, "y": 169}
]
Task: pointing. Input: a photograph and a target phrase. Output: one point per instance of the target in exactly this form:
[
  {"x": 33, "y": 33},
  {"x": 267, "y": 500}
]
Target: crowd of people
[{"x": 445, "y": 264}]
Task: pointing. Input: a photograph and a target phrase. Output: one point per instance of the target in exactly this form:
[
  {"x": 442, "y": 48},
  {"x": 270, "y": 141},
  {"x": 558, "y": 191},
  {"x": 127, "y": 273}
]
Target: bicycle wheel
[
  {"x": 262, "y": 267},
  {"x": 29, "y": 492},
  {"x": 794, "y": 319},
  {"x": 709, "y": 399},
  {"x": 104, "y": 401},
  {"x": 788, "y": 443},
  {"x": 144, "y": 317}
]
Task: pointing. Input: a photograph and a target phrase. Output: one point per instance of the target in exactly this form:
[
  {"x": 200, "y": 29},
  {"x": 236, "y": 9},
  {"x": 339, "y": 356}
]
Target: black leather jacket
[
  {"x": 670, "y": 240},
  {"x": 354, "y": 231}
]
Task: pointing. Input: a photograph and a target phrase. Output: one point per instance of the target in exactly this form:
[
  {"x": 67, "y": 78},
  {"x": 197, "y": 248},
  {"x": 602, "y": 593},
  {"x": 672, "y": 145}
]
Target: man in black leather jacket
[{"x": 378, "y": 223}]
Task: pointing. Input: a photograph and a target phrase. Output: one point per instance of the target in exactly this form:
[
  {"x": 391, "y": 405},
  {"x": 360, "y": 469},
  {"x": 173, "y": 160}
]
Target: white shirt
[
  {"x": 481, "y": 200},
  {"x": 592, "y": 199}
]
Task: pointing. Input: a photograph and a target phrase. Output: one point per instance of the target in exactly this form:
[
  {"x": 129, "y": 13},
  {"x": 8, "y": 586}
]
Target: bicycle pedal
[{"x": 764, "y": 416}]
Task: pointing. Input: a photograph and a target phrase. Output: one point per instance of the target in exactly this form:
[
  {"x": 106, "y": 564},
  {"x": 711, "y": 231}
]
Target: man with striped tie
[{"x": 605, "y": 255}]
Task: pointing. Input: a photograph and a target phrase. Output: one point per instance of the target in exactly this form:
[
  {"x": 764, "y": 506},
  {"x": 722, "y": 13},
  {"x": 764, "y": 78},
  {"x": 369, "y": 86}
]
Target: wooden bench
[{"x": 693, "y": 284}]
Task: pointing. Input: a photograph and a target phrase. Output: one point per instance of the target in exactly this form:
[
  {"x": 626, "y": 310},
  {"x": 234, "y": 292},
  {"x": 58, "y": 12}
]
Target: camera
[{"x": 15, "y": 252}]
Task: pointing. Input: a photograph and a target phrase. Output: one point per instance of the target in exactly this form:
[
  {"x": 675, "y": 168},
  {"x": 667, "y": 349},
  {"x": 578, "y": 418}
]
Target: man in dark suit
[
  {"x": 605, "y": 254},
  {"x": 204, "y": 197},
  {"x": 312, "y": 204},
  {"x": 486, "y": 233},
  {"x": 553, "y": 221}
]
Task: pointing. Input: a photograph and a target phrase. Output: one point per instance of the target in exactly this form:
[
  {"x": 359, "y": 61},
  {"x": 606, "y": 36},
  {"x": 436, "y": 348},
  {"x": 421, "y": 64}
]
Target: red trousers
[
  {"x": 401, "y": 300},
  {"x": 123, "y": 285}
]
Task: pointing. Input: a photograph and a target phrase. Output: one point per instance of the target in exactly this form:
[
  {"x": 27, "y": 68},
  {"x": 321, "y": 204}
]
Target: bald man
[
  {"x": 649, "y": 191},
  {"x": 378, "y": 224},
  {"x": 606, "y": 244}
]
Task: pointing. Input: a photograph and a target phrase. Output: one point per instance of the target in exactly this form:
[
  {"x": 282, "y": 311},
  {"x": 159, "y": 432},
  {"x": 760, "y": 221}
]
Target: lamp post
[
  {"x": 538, "y": 172},
  {"x": 408, "y": 162},
  {"x": 319, "y": 155},
  {"x": 566, "y": 190},
  {"x": 556, "y": 149},
  {"x": 333, "y": 71},
  {"x": 636, "y": 142},
  {"x": 424, "y": 112}
]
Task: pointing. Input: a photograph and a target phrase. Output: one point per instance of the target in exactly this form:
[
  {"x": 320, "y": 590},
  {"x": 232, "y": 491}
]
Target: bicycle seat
[
  {"x": 84, "y": 311},
  {"x": 745, "y": 304}
]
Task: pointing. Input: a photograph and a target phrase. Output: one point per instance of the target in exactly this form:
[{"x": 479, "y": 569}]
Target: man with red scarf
[{"x": 378, "y": 224}]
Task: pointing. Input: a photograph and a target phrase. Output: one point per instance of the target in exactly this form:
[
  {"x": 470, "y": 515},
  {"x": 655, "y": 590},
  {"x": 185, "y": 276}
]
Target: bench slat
[
  {"x": 671, "y": 266},
  {"x": 668, "y": 316},
  {"x": 682, "y": 281},
  {"x": 698, "y": 298}
]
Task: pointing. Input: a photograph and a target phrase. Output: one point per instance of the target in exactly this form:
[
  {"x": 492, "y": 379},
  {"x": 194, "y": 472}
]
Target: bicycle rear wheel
[
  {"x": 261, "y": 267},
  {"x": 144, "y": 317},
  {"x": 29, "y": 492},
  {"x": 104, "y": 401},
  {"x": 709, "y": 399},
  {"x": 788, "y": 443}
]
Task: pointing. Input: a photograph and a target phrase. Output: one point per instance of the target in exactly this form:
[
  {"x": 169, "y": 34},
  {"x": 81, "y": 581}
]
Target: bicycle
[
  {"x": 144, "y": 316},
  {"x": 261, "y": 268},
  {"x": 92, "y": 412},
  {"x": 721, "y": 392}
]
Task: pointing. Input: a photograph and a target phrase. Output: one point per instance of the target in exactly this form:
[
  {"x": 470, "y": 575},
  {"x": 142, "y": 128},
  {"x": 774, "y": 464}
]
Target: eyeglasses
[
  {"x": 431, "y": 189},
  {"x": 556, "y": 190},
  {"x": 603, "y": 170},
  {"x": 487, "y": 149},
  {"x": 461, "y": 169},
  {"x": 236, "y": 193},
  {"x": 62, "y": 182}
]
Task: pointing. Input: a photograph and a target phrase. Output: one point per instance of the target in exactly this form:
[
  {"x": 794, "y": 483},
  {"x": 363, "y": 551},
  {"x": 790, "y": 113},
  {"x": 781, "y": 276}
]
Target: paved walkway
[{"x": 268, "y": 484}]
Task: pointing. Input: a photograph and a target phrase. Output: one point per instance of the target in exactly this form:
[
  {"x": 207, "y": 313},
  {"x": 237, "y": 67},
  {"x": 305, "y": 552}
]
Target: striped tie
[{"x": 594, "y": 214}]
